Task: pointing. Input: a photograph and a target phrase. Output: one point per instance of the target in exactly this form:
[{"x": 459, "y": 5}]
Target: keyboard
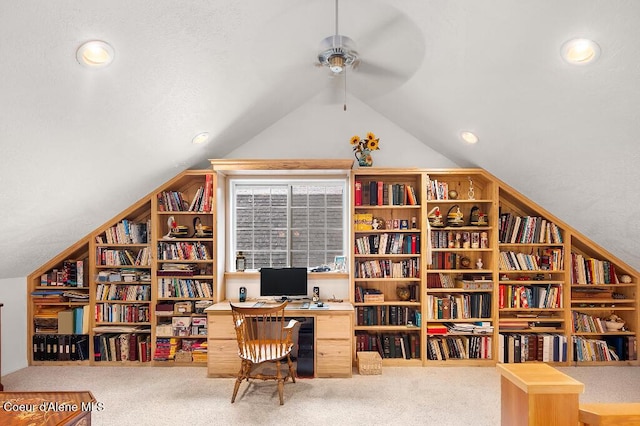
[
  {"x": 305, "y": 305},
  {"x": 258, "y": 304}
]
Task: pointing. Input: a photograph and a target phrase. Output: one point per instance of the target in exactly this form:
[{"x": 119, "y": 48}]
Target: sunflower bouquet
[{"x": 362, "y": 148}]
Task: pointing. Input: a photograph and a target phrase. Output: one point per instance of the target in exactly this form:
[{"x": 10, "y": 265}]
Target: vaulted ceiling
[{"x": 79, "y": 144}]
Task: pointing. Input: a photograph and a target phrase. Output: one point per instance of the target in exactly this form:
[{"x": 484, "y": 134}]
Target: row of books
[
  {"x": 167, "y": 348},
  {"x": 126, "y": 292},
  {"x": 126, "y": 232},
  {"x": 122, "y": 347},
  {"x": 60, "y": 347},
  {"x": 202, "y": 201},
  {"x": 387, "y": 315},
  {"x": 518, "y": 348},
  {"x": 123, "y": 257},
  {"x": 390, "y": 345},
  {"x": 592, "y": 271},
  {"x": 123, "y": 275},
  {"x": 545, "y": 260},
  {"x": 609, "y": 348},
  {"x": 448, "y": 260},
  {"x": 72, "y": 274},
  {"x": 379, "y": 193},
  {"x": 107, "y": 312},
  {"x": 459, "y": 347},
  {"x": 527, "y": 230},
  {"x": 385, "y": 268},
  {"x": 585, "y": 323},
  {"x": 530, "y": 296},
  {"x": 180, "y": 287},
  {"x": 457, "y": 239},
  {"x": 388, "y": 243},
  {"x": 459, "y": 306},
  {"x": 437, "y": 190},
  {"x": 183, "y": 251}
]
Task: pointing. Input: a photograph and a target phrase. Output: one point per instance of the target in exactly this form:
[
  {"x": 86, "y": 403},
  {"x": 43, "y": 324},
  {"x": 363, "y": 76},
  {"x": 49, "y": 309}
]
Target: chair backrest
[{"x": 261, "y": 332}]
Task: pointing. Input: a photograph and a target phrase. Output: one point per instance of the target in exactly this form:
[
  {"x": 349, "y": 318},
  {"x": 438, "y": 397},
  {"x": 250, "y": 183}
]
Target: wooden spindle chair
[{"x": 263, "y": 337}]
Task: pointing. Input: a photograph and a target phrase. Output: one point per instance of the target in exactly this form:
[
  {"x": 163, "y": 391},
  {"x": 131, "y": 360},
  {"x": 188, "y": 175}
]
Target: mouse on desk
[{"x": 320, "y": 304}]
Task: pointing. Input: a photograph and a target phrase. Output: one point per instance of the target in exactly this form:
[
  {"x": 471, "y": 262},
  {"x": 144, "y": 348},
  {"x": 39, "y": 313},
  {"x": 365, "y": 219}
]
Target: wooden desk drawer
[
  {"x": 222, "y": 358},
  {"x": 334, "y": 326},
  {"x": 334, "y": 358},
  {"x": 221, "y": 327}
]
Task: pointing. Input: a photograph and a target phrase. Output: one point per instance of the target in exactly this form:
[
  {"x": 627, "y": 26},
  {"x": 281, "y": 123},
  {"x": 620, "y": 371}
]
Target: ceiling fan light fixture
[
  {"x": 95, "y": 54},
  {"x": 336, "y": 64},
  {"x": 580, "y": 51}
]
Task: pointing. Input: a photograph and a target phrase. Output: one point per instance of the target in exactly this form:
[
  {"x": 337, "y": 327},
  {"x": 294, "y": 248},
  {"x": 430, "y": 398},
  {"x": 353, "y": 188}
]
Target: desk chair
[{"x": 263, "y": 337}]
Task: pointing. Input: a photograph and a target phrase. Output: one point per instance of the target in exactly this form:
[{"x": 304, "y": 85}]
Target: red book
[
  {"x": 380, "y": 193},
  {"x": 357, "y": 198}
]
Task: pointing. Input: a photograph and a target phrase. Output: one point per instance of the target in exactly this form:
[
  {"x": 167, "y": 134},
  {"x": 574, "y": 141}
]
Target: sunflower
[
  {"x": 371, "y": 136},
  {"x": 355, "y": 140},
  {"x": 373, "y": 144}
]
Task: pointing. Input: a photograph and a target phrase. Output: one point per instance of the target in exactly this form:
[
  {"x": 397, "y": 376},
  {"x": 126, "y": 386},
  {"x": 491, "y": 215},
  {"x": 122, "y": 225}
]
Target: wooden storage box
[
  {"x": 369, "y": 363},
  {"x": 373, "y": 298},
  {"x": 183, "y": 356}
]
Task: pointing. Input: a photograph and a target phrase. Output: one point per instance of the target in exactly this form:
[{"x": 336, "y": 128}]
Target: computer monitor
[{"x": 283, "y": 282}]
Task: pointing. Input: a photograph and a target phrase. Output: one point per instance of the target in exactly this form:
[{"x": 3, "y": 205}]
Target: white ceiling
[{"x": 79, "y": 145}]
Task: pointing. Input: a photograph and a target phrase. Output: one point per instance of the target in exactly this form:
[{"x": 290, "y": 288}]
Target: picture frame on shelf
[{"x": 340, "y": 263}]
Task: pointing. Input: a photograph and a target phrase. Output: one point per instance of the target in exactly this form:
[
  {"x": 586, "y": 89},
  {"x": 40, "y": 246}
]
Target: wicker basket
[{"x": 369, "y": 363}]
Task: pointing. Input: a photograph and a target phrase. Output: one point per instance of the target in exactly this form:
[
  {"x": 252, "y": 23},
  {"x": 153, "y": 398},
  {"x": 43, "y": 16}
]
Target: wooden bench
[{"x": 609, "y": 414}]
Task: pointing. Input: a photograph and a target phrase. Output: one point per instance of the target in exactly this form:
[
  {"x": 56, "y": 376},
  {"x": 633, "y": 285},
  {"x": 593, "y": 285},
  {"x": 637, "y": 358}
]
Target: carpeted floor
[{"x": 401, "y": 395}]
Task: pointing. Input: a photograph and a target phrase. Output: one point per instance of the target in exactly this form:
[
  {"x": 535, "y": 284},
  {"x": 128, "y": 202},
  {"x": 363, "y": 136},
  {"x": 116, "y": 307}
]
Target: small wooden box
[
  {"x": 183, "y": 356},
  {"x": 369, "y": 363},
  {"x": 373, "y": 298}
]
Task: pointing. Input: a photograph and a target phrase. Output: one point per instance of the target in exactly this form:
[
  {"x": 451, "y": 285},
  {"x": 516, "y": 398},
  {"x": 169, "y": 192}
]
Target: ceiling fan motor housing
[{"x": 337, "y": 52}]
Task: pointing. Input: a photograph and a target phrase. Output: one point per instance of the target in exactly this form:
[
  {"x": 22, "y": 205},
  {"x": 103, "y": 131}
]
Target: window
[{"x": 288, "y": 223}]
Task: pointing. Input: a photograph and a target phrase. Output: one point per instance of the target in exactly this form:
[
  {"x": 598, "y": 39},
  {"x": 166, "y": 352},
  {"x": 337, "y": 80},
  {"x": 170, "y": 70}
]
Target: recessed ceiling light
[
  {"x": 200, "y": 138},
  {"x": 95, "y": 54},
  {"x": 580, "y": 51},
  {"x": 469, "y": 137}
]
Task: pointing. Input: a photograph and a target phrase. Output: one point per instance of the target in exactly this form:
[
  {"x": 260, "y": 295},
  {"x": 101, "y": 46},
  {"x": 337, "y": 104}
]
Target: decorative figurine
[{"x": 471, "y": 194}]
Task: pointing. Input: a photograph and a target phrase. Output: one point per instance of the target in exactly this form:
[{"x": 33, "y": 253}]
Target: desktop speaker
[
  {"x": 243, "y": 294},
  {"x": 316, "y": 294}
]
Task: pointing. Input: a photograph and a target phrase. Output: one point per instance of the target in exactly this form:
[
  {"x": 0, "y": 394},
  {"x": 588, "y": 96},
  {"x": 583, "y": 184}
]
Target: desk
[
  {"x": 46, "y": 408},
  {"x": 537, "y": 394},
  {"x": 333, "y": 339}
]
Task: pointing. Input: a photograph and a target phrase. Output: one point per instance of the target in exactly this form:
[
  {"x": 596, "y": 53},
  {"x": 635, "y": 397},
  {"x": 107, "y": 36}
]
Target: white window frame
[{"x": 235, "y": 181}]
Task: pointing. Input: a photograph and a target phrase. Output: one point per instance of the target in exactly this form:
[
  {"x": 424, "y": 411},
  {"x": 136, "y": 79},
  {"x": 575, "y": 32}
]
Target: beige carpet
[{"x": 412, "y": 395}]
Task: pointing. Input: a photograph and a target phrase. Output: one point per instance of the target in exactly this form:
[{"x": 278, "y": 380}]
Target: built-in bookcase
[
  {"x": 448, "y": 267},
  {"x": 460, "y": 279},
  {"x": 387, "y": 262},
  {"x": 58, "y": 309},
  {"x": 500, "y": 278},
  {"x": 533, "y": 294},
  {"x": 153, "y": 264},
  {"x": 185, "y": 265}
]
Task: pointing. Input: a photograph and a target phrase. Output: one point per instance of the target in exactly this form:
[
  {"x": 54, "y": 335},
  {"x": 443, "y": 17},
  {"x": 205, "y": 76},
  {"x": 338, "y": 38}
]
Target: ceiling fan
[{"x": 338, "y": 52}]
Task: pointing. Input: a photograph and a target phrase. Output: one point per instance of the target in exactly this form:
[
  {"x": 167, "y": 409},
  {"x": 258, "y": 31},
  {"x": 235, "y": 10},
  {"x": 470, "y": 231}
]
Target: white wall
[
  {"x": 317, "y": 130},
  {"x": 13, "y": 294}
]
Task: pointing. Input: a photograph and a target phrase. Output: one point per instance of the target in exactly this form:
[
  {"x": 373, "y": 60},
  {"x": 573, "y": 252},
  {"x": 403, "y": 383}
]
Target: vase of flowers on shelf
[{"x": 362, "y": 148}]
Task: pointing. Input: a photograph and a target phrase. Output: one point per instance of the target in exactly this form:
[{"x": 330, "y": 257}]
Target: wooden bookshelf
[
  {"x": 432, "y": 264},
  {"x": 511, "y": 299},
  {"x": 124, "y": 273}
]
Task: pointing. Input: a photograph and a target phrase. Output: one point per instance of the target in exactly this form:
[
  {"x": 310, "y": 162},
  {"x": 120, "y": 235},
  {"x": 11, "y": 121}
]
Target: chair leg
[
  {"x": 280, "y": 382},
  {"x": 241, "y": 375},
  {"x": 291, "y": 373}
]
